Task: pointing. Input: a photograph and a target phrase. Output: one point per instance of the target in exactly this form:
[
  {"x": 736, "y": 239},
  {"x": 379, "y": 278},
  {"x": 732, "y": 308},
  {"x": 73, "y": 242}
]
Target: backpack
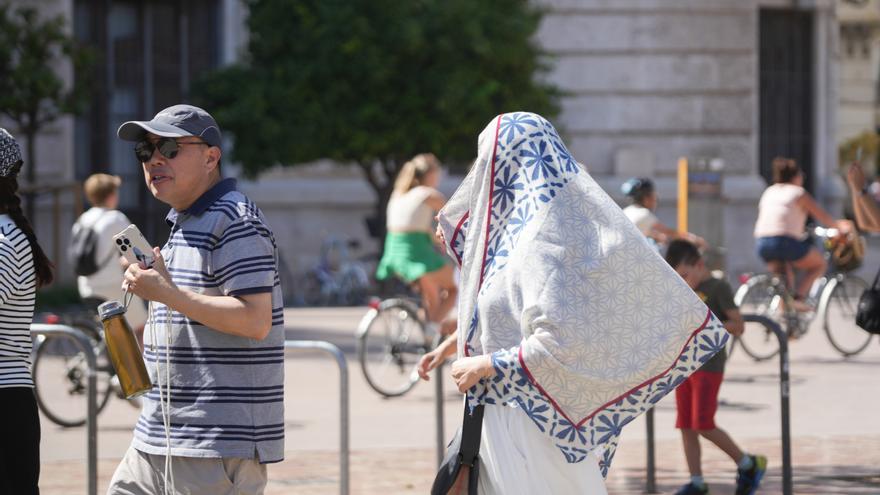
[
  {"x": 83, "y": 248},
  {"x": 868, "y": 311}
]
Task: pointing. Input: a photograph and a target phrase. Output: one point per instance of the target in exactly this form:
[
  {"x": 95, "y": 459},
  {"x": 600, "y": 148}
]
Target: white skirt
[{"x": 516, "y": 458}]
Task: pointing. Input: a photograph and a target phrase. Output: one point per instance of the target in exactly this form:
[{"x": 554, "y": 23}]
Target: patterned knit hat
[{"x": 10, "y": 155}]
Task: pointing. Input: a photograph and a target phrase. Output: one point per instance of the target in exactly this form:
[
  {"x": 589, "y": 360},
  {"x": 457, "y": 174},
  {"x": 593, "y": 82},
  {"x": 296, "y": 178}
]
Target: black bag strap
[
  {"x": 91, "y": 226},
  {"x": 471, "y": 431},
  {"x": 876, "y": 279}
]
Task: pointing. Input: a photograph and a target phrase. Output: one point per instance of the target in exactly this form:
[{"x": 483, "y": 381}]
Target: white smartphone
[{"x": 132, "y": 245}]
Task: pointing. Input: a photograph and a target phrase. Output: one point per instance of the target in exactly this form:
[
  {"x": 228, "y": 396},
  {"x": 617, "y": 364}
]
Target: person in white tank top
[{"x": 780, "y": 228}]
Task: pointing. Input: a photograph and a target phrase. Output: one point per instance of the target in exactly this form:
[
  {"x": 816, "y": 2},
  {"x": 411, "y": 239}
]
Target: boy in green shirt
[{"x": 697, "y": 397}]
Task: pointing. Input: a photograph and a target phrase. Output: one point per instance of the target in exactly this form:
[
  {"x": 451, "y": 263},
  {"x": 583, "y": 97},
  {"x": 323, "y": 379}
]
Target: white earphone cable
[{"x": 164, "y": 397}]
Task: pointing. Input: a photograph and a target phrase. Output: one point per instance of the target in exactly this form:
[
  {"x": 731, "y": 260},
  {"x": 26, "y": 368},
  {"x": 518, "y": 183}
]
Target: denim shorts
[{"x": 782, "y": 248}]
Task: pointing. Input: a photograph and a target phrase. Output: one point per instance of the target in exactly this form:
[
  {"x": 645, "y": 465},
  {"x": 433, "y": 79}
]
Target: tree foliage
[
  {"x": 376, "y": 81},
  {"x": 32, "y": 93}
]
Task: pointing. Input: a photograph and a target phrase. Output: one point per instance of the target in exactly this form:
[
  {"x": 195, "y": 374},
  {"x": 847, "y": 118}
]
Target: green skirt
[{"x": 408, "y": 255}]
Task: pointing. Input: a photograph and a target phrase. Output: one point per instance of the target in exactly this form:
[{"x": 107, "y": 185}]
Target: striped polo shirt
[
  {"x": 18, "y": 286},
  {"x": 226, "y": 392}
]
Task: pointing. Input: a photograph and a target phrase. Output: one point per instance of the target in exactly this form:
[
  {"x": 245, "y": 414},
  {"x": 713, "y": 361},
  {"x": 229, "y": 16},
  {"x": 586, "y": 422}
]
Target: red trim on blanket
[
  {"x": 522, "y": 363},
  {"x": 455, "y": 234},
  {"x": 489, "y": 214}
]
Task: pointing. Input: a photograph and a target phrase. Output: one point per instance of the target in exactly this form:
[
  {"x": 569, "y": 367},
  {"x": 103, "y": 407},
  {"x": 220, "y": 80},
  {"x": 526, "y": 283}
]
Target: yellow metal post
[{"x": 682, "y": 195}]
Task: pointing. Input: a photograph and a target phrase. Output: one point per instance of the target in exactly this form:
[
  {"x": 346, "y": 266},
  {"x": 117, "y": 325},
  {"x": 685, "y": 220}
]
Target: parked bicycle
[
  {"x": 391, "y": 338},
  {"x": 337, "y": 278},
  {"x": 60, "y": 370},
  {"x": 835, "y": 297}
]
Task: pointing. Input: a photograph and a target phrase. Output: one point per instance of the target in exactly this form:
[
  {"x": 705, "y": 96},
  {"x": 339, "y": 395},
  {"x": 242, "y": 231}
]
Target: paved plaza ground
[{"x": 836, "y": 436}]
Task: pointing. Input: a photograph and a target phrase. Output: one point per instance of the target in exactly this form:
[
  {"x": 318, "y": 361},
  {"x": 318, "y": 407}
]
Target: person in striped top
[
  {"x": 23, "y": 267},
  {"x": 217, "y": 321}
]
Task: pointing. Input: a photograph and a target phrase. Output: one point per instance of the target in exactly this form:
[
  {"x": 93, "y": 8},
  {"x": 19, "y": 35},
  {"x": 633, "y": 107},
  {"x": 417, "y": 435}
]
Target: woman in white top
[
  {"x": 409, "y": 247},
  {"x": 641, "y": 212},
  {"x": 779, "y": 230},
  {"x": 23, "y": 266},
  {"x": 102, "y": 191}
]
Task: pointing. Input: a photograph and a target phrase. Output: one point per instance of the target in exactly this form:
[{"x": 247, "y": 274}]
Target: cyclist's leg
[
  {"x": 814, "y": 266},
  {"x": 438, "y": 292}
]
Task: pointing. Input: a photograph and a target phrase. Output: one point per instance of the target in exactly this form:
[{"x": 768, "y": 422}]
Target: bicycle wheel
[
  {"x": 391, "y": 341},
  {"x": 759, "y": 296},
  {"x": 60, "y": 373},
  {"x": 840, "y": 300}
]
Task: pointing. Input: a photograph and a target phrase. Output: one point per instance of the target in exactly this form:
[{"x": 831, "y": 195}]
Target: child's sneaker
[
  {"x": 747, "y": 481},
  {"x": 692, "y": 489}
]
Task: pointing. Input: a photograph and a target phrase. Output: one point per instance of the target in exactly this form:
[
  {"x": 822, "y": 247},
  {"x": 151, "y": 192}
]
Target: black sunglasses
[{"x": 168, "y": 147}]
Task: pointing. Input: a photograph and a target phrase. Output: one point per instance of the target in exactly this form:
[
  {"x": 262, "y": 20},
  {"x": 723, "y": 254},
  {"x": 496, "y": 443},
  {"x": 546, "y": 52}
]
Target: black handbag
[
  {"x": 463, "y": 450},
  {"x": 868, "y": 312}
]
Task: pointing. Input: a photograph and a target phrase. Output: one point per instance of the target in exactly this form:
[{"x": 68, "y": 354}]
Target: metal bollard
[
  {"x": 651, "y": 477},
  {"x": 438, "y": 411},
  {"x": 83, "y": 342},
  {"x": 784, "y": 391},
  {"x": 343, "y": 403}
]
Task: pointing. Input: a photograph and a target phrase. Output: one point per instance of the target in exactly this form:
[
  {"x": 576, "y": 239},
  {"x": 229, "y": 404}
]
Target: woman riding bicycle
[
  {"x": 779, "y": 230},
  {"x": 409, "y": 246},
  {"x": 641, "y": 212}
]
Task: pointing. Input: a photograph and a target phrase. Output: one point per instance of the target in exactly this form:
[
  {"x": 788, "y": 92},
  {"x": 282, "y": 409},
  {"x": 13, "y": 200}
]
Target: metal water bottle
[{"x": 124, "y": 351}]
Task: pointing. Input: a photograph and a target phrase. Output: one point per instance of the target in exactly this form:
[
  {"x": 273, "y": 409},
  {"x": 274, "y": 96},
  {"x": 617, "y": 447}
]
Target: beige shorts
[{"x": 140, "y": 473}]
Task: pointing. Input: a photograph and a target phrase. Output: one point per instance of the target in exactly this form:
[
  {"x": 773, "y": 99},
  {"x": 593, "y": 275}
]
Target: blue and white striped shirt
[
  {"x": 18, "y": 286},
  {"x": 226, "y": 391}
]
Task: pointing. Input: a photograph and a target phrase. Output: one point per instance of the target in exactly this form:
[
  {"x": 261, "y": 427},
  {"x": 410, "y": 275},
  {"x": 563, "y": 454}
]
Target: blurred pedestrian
[
  {"x": 696, "y": 399},
  {"x": 103, "y": 220},
  {"x": 217, "y": 324},
  {"x": 409, "y": 248},
  {"x": 644, "y": 198},
  {"x": 23, "y": 267}
]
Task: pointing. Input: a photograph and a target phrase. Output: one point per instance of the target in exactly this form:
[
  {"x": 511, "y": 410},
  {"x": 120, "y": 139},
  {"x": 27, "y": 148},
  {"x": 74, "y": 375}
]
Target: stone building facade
[{"x": 727, "y": 82}]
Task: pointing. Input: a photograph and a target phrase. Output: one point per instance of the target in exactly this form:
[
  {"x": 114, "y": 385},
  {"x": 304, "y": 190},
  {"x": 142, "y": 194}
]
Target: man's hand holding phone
[
  {"x": 145, "y": 273},
  {"x": 151, "y": 284}
]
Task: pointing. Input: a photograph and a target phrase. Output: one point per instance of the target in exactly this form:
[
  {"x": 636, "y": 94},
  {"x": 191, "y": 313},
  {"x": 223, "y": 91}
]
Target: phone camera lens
[
  {"x": 119, "y": 241},
  {"x": 124, "y": 249}
]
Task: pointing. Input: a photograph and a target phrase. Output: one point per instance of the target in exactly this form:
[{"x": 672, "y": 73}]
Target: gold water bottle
[{"x": 124, "y": 351}]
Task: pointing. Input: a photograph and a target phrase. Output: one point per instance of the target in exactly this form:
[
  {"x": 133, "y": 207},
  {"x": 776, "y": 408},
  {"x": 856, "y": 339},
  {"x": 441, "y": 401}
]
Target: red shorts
[{"x": 697, "y": 400}]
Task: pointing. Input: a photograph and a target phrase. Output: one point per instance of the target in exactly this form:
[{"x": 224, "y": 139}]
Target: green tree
[
  {"x": 375, "y": 82},
  {"x": 32, "y": 93}
]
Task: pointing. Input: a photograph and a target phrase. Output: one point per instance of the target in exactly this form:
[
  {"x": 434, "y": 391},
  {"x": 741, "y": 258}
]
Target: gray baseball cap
[{"x": 174, "y": 121}]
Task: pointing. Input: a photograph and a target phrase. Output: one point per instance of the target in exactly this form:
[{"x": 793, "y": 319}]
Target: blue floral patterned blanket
[{"x": 587, "y": 325}]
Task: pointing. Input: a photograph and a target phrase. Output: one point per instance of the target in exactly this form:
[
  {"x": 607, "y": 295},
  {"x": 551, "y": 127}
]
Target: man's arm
[
  {"x": 870, "y": 213},
  {"x": 865, "y": 208},
  {"x": 243, "y": 316},
  {"x": 248, "y": 315}
]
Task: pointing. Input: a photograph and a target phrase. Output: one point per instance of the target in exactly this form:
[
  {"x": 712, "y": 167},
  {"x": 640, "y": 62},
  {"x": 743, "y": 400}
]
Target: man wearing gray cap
[{"x": 216, "y": 324}]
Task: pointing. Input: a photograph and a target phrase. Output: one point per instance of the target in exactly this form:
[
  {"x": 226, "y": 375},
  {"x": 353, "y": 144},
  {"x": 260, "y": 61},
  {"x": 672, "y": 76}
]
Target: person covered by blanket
[{"x": 571, "y": 325}]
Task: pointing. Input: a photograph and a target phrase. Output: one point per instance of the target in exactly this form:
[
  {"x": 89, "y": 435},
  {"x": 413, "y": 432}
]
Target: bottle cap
[{"x": 110, "y": 308}]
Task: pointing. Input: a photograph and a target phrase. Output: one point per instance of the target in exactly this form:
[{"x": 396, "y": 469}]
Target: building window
[{"x": 148, "y": 55}]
